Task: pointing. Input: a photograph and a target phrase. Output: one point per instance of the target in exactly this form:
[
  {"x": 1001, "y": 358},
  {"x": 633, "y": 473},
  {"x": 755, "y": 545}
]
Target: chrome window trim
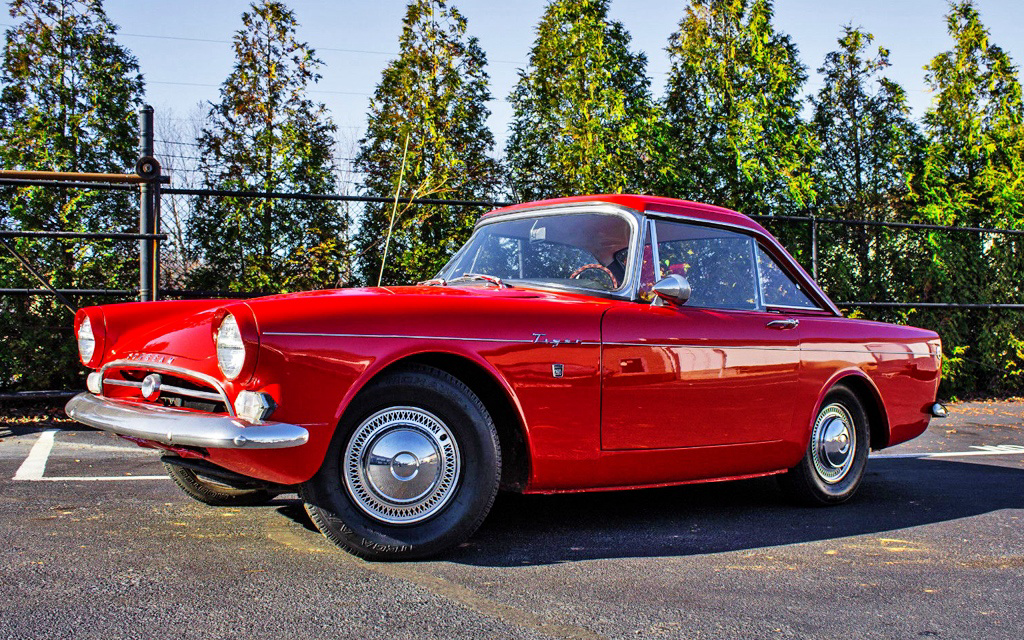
[
  {"x": 626, "y": 290},
  {"x": 793, "y": 307},
  {"x": 651, "y": 235},
  {"x": 167, "y": 368},
  {"x": 757, "y": 235},
  {"x": 757, "y": 274}
]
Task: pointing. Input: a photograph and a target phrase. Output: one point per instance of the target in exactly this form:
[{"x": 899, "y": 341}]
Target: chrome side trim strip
[
  {"x": 582, "y": 343},
  {"x": 387, "y": 335},
  {"x": 181, "y": 428},
  {"x": 699, "y": 346},
  {"x": 185, "y": 373},
  {"x": 412, "y": 337},
  {"x": 750, "y": 347}
]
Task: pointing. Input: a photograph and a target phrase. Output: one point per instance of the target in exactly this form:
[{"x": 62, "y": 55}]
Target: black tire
[
  {"x": 354, "y": 502},
  {"x": 213, "y": 493},
  {"x": 826, "y": 475}
]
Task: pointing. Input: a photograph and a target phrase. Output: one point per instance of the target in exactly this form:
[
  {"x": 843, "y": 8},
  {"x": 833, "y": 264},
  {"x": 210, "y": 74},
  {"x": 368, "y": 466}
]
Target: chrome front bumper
[{"x": 181, "y": 428}]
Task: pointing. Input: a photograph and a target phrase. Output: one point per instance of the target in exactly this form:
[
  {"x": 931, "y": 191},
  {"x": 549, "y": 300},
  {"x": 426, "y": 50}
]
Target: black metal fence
[{"x": 874, "y": 268}]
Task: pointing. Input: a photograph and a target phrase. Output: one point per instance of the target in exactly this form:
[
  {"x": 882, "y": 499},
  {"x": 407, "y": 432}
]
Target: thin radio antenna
[{"x": 394, "y": 209}]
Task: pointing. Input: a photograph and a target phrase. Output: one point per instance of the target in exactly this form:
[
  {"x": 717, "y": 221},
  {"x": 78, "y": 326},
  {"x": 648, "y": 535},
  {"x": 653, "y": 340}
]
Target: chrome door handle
[{"x": 788, "y": 323}]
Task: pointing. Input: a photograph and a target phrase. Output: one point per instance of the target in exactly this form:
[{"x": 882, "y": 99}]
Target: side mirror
[{"x": 674, "y": 289}]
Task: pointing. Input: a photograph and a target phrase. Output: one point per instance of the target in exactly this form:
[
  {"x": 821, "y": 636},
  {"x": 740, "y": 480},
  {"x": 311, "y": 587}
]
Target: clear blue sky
[{"x": 356, "y": 38}]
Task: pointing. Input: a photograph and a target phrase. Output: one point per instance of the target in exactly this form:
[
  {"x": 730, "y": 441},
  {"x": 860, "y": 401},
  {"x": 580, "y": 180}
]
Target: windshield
[{"x": 579, "y": 250}]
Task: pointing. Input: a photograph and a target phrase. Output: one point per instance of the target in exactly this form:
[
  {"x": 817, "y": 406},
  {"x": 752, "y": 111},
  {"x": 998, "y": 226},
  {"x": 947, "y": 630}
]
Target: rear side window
[{"x": 778, "y": 288}]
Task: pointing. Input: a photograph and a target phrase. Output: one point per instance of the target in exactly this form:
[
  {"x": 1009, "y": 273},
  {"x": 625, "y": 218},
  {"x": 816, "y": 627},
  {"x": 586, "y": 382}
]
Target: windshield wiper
[
  {"x": 495, "y": 280},
  {"x": 434, "y": 282}
]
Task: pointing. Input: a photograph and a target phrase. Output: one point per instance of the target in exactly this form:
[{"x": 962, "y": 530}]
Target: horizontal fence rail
[
  {"x": 10, "y": 233},
  {"x": 814, "y": 221},
  {"x": 331, "y": 197},
  {"x": 179, "y": 263},
  {"x": 853, "y": 222}
]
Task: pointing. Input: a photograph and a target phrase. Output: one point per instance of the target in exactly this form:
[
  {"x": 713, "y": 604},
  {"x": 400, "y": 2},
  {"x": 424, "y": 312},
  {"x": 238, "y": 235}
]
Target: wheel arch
[
  {"x": 496, "y": 396},
  {"x": 864, "y": 388}
]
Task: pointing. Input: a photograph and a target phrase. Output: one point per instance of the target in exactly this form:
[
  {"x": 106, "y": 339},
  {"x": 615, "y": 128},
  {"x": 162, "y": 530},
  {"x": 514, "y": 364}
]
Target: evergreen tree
[
  {"x": 68, "y": 103},
  {"x": 733, "y": 100},
  {"x": 972, "y": 177},
  {"x": 869, "y": 151},
  {"x": 265, "y": 134},
  {"x": 426, "y": 136},
  {"x": 974, "y": 129},
  {"x": 584, "y": 121}
]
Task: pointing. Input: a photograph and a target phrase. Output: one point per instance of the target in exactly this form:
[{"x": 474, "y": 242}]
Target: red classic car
[{"x": 579, "y": 344}]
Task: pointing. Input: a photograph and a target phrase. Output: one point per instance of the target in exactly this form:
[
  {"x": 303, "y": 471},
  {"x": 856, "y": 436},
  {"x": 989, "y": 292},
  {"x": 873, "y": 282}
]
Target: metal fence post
[
  {"x": 147, "y": 248},
  {"x": 814, "y": 247}
]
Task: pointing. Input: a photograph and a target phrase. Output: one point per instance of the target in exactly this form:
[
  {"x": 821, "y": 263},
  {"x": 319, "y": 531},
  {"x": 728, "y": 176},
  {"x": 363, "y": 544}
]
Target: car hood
[
  {"x": 184, "y": 329},
  {"x": 472, "y": 311}
]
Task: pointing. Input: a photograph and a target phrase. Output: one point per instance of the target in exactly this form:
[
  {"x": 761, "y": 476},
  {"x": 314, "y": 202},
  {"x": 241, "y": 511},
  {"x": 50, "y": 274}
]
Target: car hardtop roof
[{"x": 670, "y": 206}]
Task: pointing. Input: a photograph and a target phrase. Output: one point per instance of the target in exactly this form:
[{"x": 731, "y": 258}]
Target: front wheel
[
  {"x": 412, "y": 470},
  {"x": 833, "y": 465}
]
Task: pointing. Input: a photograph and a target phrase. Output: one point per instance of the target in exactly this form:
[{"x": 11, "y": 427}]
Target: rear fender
[{"x": 862, "y": 385}]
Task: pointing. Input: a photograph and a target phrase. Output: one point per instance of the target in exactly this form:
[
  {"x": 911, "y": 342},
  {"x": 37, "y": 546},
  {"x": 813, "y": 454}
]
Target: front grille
[{"x": 178, "y": 388}]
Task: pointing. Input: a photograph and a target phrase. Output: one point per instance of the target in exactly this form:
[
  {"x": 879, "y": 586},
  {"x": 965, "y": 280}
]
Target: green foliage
[
  {"x": 733, "y": 100},
  {"x": 953, "y": 364},
  {"x": 265, "y": 134},
  {"x": 972, "y": 172},
  {"x": 68, "y": 103},
  {"x": 584, "y": 121},
  {"x": 428, "y": 114},
  {"x": 870, "y": 150}
]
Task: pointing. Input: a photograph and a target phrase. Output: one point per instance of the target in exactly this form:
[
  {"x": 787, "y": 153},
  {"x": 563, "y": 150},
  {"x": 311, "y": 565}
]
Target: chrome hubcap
[
  {"x": 833, "y": 443},
  {"x": 401, "y": 465}
]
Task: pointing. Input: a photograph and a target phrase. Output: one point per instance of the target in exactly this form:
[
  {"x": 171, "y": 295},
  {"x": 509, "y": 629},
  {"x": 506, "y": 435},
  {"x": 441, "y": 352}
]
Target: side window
[
  {"x": 719, "y": 264},
  {"x": 777, "y": 287}
]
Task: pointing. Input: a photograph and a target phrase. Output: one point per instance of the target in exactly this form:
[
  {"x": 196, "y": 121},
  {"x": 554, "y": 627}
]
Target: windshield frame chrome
[{"x": 633, "y": 218}]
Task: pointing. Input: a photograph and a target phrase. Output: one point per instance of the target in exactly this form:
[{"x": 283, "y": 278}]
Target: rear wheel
[
  {"x": 214, "y": 493},
  {"x": 833, "y": 465},
  {"x": 412, "y": 470}
]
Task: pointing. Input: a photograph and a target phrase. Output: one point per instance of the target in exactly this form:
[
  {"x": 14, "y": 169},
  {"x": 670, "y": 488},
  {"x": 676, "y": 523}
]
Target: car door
[{"x": 720, "y": 370}]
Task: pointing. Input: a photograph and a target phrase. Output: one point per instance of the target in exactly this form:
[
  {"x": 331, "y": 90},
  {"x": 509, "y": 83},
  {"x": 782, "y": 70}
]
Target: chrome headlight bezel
[{"x": 231, "y": 351}]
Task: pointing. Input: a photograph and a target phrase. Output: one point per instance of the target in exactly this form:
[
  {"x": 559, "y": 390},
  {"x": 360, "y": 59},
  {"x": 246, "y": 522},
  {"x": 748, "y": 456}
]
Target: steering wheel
[{"x": 576, "y": 274}]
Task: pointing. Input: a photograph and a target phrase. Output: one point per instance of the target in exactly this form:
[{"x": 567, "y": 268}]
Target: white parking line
[
  {"x": 980, "y": 450},
  {"x": 35, "y": 464},
  {"x": 93, "y": 478}
]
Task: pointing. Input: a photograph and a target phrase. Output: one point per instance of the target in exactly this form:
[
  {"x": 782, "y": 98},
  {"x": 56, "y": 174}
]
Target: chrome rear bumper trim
[{"x": 182, "y": 428}]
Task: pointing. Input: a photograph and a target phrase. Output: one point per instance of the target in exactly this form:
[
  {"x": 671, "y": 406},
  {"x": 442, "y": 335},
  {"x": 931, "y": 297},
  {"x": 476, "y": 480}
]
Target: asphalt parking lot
[{"x": 97, "y": 543}]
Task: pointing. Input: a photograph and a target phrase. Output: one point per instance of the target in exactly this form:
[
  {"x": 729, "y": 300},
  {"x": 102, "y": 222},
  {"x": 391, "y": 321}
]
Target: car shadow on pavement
[{"x": 733, "y": 516}]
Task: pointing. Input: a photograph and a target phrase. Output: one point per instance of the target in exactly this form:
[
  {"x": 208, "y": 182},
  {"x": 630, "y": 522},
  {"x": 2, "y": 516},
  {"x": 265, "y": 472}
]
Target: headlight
[
  {"x": 230, "y": 348},
  {"x": 86, "y": 341}
]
